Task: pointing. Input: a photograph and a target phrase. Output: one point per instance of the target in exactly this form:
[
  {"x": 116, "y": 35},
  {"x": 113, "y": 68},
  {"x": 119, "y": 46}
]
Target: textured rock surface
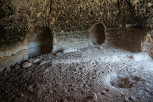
[
  {"x": 67, "y": 15},
  {"x": 20, "y": 21}
]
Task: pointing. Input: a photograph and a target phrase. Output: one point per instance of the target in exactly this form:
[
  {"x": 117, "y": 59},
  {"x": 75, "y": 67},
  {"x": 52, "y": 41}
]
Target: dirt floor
[{"x": 90, "y": 74}]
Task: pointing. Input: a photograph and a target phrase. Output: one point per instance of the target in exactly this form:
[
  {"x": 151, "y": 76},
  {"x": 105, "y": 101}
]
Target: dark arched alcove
[
  {"x": 97, "y": 34},
  {"x": 40, "y": 42}
]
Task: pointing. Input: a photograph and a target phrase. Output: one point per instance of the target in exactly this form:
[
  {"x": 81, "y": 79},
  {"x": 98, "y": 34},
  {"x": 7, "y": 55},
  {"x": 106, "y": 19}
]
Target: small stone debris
[
  {"x": 17, "y": 66},
  {"x": 27, "y": 64},
  {"x": 102, "y": 93},
  {"x": 36, "y": 61},
  {"x": 30, "y": 88},
  {"x": 43, "y": 62},
  {"x": 92, "y": 97}
]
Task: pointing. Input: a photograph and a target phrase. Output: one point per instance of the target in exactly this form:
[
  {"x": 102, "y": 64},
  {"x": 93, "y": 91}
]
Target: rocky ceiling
[{"x": 18, "y": 18}]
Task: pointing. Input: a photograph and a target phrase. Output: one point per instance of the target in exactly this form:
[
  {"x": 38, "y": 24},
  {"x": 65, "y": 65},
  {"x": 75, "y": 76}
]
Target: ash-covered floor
[{"x": 89, "y": 74}]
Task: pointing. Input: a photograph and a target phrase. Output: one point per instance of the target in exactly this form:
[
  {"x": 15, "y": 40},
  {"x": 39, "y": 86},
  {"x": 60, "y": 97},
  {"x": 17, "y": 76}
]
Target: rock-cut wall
[
  {"x": 25, "y": 30},
  {"x": 19, "y": 18},
  {"x": 38, "y": 20}
]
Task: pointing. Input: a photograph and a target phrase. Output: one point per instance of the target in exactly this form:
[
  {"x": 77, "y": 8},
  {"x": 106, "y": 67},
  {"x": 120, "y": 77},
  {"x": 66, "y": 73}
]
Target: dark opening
[
  {"x": 41, "y": 42},
  {"x": 97, "y": 34}
]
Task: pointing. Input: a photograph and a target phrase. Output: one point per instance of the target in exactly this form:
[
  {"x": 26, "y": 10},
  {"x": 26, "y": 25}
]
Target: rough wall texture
[
  {"x": 82, "y": 14},
  {"x": 22, "y": 20},
  {"x": 25, "y": 19},
  {"x": 19, "y": 17}
]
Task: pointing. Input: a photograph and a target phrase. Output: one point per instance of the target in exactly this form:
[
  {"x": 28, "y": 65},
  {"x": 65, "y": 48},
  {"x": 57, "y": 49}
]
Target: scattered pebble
[
  {"x": 17, "y": 66},
  {"x": 43, "y": 62},
  {"x": 27, "y": 64},
  {"x": 92, "y": 97},
  {"x": 36, "y": 61}
]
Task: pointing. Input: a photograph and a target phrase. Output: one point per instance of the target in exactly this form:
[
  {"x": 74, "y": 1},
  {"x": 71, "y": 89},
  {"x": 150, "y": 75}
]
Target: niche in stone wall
[
  {"x": 97, "y": 34},
  {"x": 127, "y": 39},
  {"x": 40, "y": 42}
]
